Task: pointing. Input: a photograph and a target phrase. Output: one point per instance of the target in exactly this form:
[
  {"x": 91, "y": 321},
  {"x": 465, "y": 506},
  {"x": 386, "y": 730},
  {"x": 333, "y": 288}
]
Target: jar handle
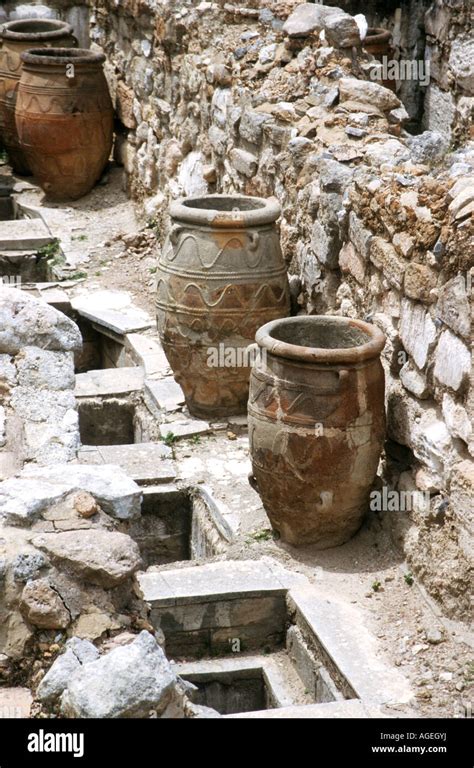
[
  {"x": 254, "y": 238},
  {"x": 343, "y": 377},
  {"x": 253, "y": 481},
  {"x": 174, "y": 233}
]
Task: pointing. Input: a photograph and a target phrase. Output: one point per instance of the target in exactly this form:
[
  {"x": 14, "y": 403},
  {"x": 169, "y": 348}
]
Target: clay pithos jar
[
  {"x": 17, "y": 37},
  {"x": 378, "y": 42},
  {"x": 64, "y": 119},
  {"x": 316, "y": 425},
  {"x": 221, "y": 275}
]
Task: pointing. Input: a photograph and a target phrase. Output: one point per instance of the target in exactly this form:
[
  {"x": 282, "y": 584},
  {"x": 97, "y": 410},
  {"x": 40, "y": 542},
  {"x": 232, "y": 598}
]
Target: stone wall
[
  {"x": 38, "y": 415},
  {"x": 449, "y": 102},
  {"x": 376, "y": 223}
]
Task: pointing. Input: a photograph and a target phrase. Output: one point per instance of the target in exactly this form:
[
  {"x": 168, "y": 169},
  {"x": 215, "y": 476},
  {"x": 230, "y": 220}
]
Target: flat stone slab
[
  {"x": 148, "y": 353},
  {"x": 144, "y": 463},
  {"x": 213, "y": 582},
  {"x": 278, "y": 676},
  {"x": 25, "y": 497},
  {"x": 329, "y": 710},
  {"x": 15, "y": 702},
  {"x": 112, "y": 309},
  {"x": 184, "y": 429},
  {"x": 23, "y": 234},
  {"x": 109, "y": 381},
  {"x": 166, "y": 394},
  {"x": 105, "y": 558},
  {"x": 9, "y": 464},
  {"x": 55, "y": 296},
  {"x": 339, "y": 630}
]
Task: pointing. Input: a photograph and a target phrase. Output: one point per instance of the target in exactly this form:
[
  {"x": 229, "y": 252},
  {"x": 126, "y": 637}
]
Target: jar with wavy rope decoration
[
  {"x": 65, "y": 119},
  {"x": 220, "y": 275},
  {"x": 316, "y": 425},
  {"x": 17, "y": 37}
]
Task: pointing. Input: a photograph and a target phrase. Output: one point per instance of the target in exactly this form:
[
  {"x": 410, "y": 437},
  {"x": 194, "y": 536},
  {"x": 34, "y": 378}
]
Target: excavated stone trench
[{"x": 120, "y": 512}]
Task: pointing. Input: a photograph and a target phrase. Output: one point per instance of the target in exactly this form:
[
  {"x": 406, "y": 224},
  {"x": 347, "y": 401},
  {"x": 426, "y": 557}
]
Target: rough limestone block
[
  {"x": 42, "y": 369},
  {"x": 129, "y": 681},
  {"x": 452, "y": 362},
  {"x": 457, "y": 420},
  {"x": 369, "y": 92},
  {"x": 26, "y": 321},
  {"x": 417, "y": 331},
  {"x": 23, "y": 498},
  {"x": 57, "y": 677},
  {"x": 42, "y": 606},
  {"x": 420, "y": 280},
  {"x": 414, "y": 381},
  {"x": 105, "y": 558},
  {"x": 453, "y": 306},
  {"x": 384, "y": 256}
]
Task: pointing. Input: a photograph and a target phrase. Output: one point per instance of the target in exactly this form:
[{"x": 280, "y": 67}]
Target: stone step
[
  {"x": 145, "y": 463},
  {"x": 23, "y": 234},
  {"x": 109, "y": 382},
  {"x": 354, "y": 708},
  {"x": 213, "y": 582},
  {"x": 114, "y": 310}
]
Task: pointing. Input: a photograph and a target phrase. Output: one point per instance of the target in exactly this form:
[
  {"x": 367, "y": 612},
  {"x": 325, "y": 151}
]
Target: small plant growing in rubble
[
  {"x": 264, "y": 534},
  {"x": 53, "y": 257},
  {"x": 195, "y": 440},
  {"x": 169, "y": 439},
  {"x": 376, "y": 586},
  {"x": 52, "y": 253},
  {"x": 469, "y": 672},
  {"x": 409, "y": 578}
]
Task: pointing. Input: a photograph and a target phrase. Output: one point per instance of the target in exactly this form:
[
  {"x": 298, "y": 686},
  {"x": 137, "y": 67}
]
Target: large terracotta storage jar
[
  {"x": 221, "y": 275},
  {"x": 64, "y": 119},
  {"x": 17, "y": 37},
  {"x": 316, "y": 425}
]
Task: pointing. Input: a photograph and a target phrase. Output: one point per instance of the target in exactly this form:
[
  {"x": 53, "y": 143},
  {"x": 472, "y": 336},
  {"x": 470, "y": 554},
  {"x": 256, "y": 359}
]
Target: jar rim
[
  {"x": 51, "y": 57},
  {"x": 53, "y": 29},
  {"x": 225, "y": 211},
  {"x": 267, "y": 338}
]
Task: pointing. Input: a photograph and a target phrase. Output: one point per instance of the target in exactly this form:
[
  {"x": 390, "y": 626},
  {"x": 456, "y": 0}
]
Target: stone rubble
[
  {"x": 377, "y": 224},
  {"x": 129, "y": 681}
]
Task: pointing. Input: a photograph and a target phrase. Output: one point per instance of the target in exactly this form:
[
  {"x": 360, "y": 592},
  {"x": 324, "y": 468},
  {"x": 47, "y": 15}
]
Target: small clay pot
[
  {"x": 17, "y": 37},
  {"x": 316, "y": 425},
  {"x": 64, "y": 119},
  {"x": 378, "y": 41},
  {"x": 221, "y": 275}
]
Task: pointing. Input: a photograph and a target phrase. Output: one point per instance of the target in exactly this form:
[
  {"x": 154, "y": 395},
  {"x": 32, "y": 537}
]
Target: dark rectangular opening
[
  {"x": 175, "y": 525},
  {"x": 99, "y": 350},
  {"x": 231, "y": 692},
  {"x": 106, "y": 422},
  {"x": 163, "y": 533},
  {"x": 7, "y": 209}
]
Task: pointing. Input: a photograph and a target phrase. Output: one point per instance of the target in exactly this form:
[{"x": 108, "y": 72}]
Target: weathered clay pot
[
  {"x": 220, "y": 276},
  {"x": 16, "y": 37},
  {"x": 378, "y": 42},
  {"x": 64, "y": 119},
  {"x": 316, "y": 425}
]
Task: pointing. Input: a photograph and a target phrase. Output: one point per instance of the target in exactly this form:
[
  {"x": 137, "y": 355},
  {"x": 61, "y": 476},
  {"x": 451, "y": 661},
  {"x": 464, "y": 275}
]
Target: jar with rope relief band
[{"x": 220, "y": 276}]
